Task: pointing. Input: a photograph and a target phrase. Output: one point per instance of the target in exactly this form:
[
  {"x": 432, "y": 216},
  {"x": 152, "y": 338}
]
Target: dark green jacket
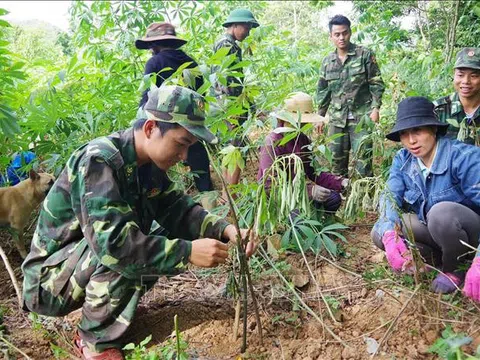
[
  {"x": 450, "y": 110},
  {"x": 103, "y": 201},
  {"x": 355, "y": 86}
]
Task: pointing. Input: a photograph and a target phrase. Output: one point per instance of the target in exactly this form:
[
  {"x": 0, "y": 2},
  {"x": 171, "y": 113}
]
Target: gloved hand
[
  {"x": 345, "y": 183},
  {"x": 398, "y": 255},
  {"x": 472, "y": 280},
  {"x": 447, "y": 283},
  {"x": 320, "y": 194}
]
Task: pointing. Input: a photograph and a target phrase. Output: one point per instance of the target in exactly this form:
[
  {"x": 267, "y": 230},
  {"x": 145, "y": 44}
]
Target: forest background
[{"x": 60, "y": 89}]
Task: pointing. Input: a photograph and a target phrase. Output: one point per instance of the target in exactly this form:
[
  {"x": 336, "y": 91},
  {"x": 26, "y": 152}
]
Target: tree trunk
[
  {"x": 295, "y": 21},
  {"x": 452, "y": 32}
]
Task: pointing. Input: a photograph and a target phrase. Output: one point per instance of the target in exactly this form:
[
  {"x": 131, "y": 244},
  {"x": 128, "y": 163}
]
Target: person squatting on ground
[
  {"x": 350, "y": 88},
  {"x": 433, "y": 192},
  {"x": 162, "y": 40},
  {"x": 237, "y": 28},
  {"x": 113, "y": 222},
  {"x": 325, "y": 187},
  {"x": 463, "y": 106}
]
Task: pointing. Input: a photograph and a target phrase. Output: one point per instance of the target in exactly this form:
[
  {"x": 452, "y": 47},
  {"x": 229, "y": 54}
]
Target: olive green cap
[
  {"x": 468, "y": 58},
  {"x": 241, "y": 16}
]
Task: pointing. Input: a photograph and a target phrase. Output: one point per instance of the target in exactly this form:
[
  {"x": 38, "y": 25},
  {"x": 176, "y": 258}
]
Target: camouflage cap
[
  {"x": 177, "y": 104},
  {"x": 468, "y": 58}
]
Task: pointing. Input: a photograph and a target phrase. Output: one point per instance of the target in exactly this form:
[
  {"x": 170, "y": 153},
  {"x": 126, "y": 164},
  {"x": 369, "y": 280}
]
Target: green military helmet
[
  {"x": 177, "y": 104},
  {"x": 468, "y": 58},
  {"x": 241, "y": 16}
]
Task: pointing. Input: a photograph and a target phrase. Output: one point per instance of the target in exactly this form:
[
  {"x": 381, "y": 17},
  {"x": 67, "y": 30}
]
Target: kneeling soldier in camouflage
[{"x": 95, "y": 245}]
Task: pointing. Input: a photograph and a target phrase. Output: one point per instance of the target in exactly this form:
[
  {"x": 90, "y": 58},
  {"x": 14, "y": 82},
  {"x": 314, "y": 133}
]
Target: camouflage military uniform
[
  {"x": 450, "y": 108},
  {"x": 90, "y": 247},
  {"x": 349, "y": 91},
  {"x": 234, "y": 85}
]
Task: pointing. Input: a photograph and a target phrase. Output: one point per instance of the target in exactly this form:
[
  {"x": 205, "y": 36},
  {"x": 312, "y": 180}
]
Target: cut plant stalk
[
  {"x": 11, "y": 273},
  {"x": 177, "y": 335},
  {"x": 244, "y": 268},
  {"x": 10, "y": 345}
]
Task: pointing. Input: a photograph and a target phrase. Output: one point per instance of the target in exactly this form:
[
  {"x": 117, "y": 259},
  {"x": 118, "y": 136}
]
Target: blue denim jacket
[{"x": 454, "y": 176}]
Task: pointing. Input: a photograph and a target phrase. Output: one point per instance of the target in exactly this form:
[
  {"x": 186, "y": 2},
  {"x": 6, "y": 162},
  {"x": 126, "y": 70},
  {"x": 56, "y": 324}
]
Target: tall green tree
[{"x": 11, "y": 74}]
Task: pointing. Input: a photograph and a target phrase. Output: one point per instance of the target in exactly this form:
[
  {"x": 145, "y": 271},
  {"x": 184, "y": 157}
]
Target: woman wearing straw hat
[
  {"x": 162, "y": 40},
  {"x": 325, "y": 188},
  {"x": 432, "y": 199}
]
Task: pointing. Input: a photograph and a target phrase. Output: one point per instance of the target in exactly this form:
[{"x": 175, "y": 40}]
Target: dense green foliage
[{"x": 58, "y": 90}]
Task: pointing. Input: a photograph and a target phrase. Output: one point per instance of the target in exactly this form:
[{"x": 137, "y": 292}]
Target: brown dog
[{"x": 18, "y": 202}]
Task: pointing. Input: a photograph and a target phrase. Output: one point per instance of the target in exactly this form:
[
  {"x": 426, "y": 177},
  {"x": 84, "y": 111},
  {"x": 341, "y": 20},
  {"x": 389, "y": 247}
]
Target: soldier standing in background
[
  {"x": 350, "y": 88},
  {"x": 94, "y": 246},
  {"x": 463, "y": 106},
  {"x": 238, "y": 26}
]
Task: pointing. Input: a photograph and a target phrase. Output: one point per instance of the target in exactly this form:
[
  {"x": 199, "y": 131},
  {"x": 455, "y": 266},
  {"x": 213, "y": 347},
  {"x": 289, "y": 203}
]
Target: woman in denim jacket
[{"x": 433, "y": 199}]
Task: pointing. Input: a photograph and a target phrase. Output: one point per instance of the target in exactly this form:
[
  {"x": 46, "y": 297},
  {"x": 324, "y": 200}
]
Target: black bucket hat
[{"x": 414, "y": 112}]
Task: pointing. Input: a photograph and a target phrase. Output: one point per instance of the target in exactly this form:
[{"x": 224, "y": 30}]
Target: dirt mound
[{"x": 363, "y": 308}]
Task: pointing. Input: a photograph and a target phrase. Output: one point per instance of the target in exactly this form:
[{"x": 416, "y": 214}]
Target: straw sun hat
[{"x": 298, "y": 104}]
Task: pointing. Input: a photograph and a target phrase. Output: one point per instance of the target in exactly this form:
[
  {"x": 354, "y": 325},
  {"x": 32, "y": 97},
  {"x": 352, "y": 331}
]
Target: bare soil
[
  {"x": 364, "y": 309},
  {"x": 365, "y": 297}
]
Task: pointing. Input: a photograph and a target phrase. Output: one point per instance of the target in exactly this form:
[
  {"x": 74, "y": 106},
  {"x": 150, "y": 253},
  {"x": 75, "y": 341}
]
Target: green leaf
[
  {"x": 240, "y": 65},
  {"x": 335, "y": 226},
  {"x": 453, "y": 122},
  {"x": 146, "y": 340},
  {"x": 218, "y": 56},
  {"x": 8, "y": 124},
  {"x": 130, "y": 346},
  {"x": 476, "y": 10},
  {"x": 4, "y": 23},
  {"x": 204, "y": 88},
  {"x": 330, "y": 245}
]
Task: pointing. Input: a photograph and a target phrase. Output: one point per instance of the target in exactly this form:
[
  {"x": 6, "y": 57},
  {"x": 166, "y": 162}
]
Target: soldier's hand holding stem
[
  {"x": 230, "y": 234},
  {"x": 375, "y": 115},
  {"x": 208, "y": 252},
  {"x": 320, "y": 127}
]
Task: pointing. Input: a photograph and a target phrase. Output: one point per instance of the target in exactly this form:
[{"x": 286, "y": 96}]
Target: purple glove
[
  {"x": 448, "y": 283},
  {"x": 397, "y": 253},
  {"x": 472, "y": 280}
]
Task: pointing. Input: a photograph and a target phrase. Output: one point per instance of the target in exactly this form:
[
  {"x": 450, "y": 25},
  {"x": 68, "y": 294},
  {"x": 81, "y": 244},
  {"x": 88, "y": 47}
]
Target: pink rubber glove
[
  {"x": 472, "y": 280},
  {"x": 397, "y": 253}
]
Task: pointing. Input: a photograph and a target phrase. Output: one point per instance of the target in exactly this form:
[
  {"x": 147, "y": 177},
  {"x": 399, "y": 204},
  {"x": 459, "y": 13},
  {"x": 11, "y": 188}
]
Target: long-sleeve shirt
[
  {"x": 300, "y": 147},
  {"x": 450, "y": 108},
  {"x": 164, "y": 64},
  {"x": 234, "y": 86},
  {"x": 354, "y": 87},
  {"x": 454, "y": 176},
  {"x": 104, "y": 201}
]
